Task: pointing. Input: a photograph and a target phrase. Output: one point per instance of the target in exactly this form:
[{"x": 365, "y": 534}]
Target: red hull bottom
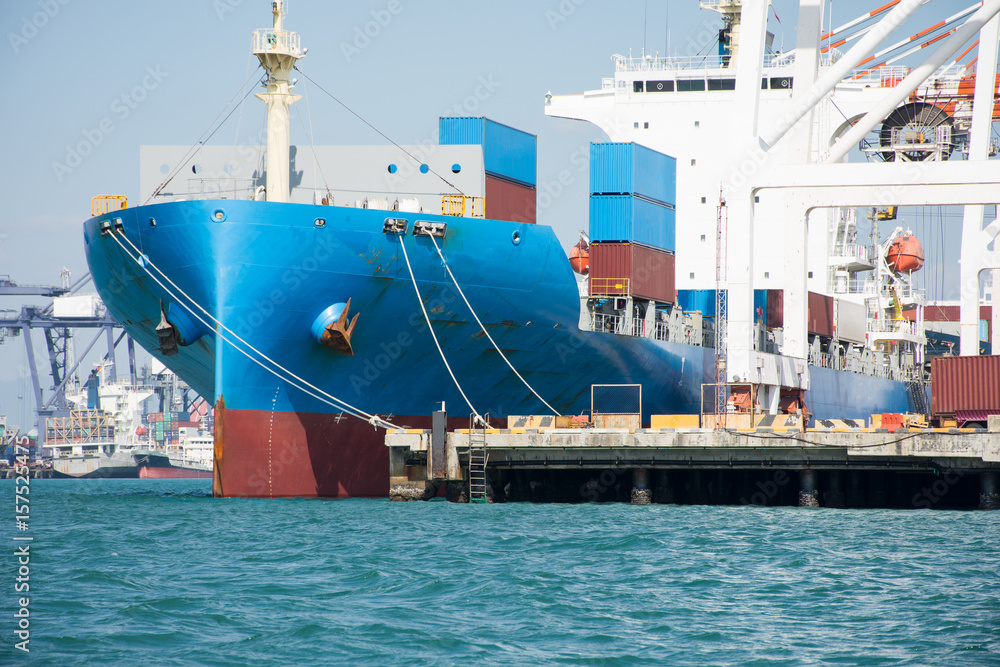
[
  {"x": 151, "y": 472},
  {"x": 265, "y": 454}
]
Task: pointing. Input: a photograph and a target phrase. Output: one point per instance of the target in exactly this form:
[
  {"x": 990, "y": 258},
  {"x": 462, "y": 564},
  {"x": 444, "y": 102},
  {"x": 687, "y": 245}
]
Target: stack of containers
[
  {"x": 509, "y": 158},
  {"x": 165, "y": 425},
  {"x": 633, "y": 192}
]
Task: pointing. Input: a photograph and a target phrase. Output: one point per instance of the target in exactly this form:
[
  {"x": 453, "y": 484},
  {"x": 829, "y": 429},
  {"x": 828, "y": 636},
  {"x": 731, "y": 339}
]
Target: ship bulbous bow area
[{"x": 333, "y": 328}]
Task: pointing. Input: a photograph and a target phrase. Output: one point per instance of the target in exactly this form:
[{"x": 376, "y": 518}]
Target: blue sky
[{"x": 118, "y": 74}]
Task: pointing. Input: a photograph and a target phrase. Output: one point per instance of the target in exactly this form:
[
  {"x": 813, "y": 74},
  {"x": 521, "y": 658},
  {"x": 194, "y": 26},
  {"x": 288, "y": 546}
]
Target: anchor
[
  {"x": 338, "y": 333},
  {"x": 167, "y": 334}
]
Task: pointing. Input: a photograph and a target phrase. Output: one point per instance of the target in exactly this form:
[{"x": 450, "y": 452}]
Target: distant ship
[
  {"x": 310, "y": 325},
  {"x": 106, "y": 439}
]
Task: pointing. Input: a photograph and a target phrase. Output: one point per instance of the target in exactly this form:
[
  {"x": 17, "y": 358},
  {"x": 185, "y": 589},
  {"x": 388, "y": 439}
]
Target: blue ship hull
[{"x": 267, "y": 271}]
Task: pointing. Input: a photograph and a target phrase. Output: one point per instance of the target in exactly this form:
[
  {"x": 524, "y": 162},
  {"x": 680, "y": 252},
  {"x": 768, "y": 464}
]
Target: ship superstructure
[{"x": 689, "y": 107}]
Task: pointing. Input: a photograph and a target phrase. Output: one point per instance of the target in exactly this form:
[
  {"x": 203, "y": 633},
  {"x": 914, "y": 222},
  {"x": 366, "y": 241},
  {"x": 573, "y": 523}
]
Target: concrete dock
[{"x": 833, "y": 467}]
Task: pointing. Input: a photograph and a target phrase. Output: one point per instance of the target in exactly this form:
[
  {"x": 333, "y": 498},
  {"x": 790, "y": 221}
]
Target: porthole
[
  {"x": 515, "y": 238},
  {"x": 219, "y": 215}
]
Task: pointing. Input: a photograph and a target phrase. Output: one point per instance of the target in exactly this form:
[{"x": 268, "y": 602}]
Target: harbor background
[
  {"x": 78, "y": 133},
  {"x": 158, "y": 572}
]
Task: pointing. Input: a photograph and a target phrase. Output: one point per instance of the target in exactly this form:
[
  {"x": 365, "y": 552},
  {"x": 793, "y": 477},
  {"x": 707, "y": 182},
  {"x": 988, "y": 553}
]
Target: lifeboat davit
[
  {"x": 905, "y": 255},
  {"x": 579, "y": 257}
]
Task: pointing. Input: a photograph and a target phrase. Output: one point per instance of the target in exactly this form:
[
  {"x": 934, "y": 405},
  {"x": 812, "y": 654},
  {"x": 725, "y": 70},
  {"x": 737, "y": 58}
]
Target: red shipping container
[
  {"x": 820, "y": 312},
  {"x": 506, "y": 200},
  {"x": 628, "y": 269},
  {"x": 965, "y": 383},
  {"x": 775, "y": 309}
]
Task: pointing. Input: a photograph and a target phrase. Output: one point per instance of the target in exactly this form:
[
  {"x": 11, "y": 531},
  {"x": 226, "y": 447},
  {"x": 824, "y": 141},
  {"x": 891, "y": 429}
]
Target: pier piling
[
  {"x": 989, "y": 492},
  {"x": 642, "y": 494},
  {"x": 808, "y": 495}
]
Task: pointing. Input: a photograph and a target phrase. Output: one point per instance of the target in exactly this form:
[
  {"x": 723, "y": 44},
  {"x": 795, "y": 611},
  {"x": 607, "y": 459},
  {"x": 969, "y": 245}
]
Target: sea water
[{"x": 157, "y": 572}]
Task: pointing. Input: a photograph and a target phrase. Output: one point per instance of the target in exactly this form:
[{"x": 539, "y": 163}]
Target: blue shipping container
[
  {"x": 618, "y": 168},
  {"x": 626, "y": 219},
  {"x": 704, "y": 300},
  {"x": 507, "y": 153}
]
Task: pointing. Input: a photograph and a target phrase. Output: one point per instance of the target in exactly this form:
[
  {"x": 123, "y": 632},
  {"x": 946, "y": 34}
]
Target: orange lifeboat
[
  {"x": 905, "y": 255},
  {"x": 579, "y": 257}
]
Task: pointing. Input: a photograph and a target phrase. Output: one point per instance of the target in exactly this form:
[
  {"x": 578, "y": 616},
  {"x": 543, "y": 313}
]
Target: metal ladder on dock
[
  {"x": 919, "y": 397},
  {"x": 477, "y": 461}
]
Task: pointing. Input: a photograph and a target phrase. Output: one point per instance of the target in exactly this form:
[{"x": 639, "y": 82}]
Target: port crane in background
[
  {"x": 58, "y": 320},
  {"x": 67, "y": 312}
]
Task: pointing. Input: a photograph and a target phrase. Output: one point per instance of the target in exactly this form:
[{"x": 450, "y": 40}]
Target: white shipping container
[
  {"x": 86, "y": 305},
  {"x": 850, "y": 321}
]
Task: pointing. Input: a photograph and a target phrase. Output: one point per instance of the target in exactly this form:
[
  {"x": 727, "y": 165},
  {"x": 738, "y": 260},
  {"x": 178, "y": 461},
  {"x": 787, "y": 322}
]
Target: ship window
[
  {"x": 722, "y": 84},
  {"x": 424, "y": 169},
  {"x": 660, "y": 86},
  {"x": 702, "y": 237},
  {"x": 756, "y": 199},
  {"x": 810, "y": 274},
  {"x": 781, "y": 82},
  {"x": 691, "y": 275},
  {"x": 392, "y": 168},
  {"x": 697, "y": 123},
  {"x": 637, "y": 125},
  {"x": 455, "y": 168},
  {"x": 637, "y": 86},
  {"x": 703, "y": 201},
  {"x": 693, "y": 161},
  {"x": 690, "y": 85},
  {"x": 767, "y": 274},
  {"x": 645, "y": 126},
  {"x": 763, "y": 84}
]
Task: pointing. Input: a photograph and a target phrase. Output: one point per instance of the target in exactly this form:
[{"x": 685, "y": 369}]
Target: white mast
[{"x": 278, "y": 51}]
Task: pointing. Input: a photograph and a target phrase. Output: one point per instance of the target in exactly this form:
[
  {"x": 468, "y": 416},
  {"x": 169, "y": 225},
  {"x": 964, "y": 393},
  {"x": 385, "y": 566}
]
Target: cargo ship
[
  {"x": 315, "y": 325},
  {"x": 105, "y": 435}
]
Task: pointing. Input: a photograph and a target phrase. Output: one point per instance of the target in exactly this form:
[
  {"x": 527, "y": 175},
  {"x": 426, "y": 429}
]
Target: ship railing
[
  {"x": 222, "y": 188},
  {"x": 609, "y": 286},
  {"x": 102, "y": 204},
  {"x": 268, "y": 40},
  {"x": 461, "y": 206},
  {"x": 852, "y": 250},
  {"x": 883, "y": 77},
  {"x": 892, "y": 326},
  {"x": 650, "y": 63}
]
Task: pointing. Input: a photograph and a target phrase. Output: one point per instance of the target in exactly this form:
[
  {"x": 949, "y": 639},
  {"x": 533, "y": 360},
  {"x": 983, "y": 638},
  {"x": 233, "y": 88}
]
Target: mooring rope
[
  {"x": 331, "y": 400},
  {"x": 488, "y": 336},
  {"x": 402, "y": 244}
]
